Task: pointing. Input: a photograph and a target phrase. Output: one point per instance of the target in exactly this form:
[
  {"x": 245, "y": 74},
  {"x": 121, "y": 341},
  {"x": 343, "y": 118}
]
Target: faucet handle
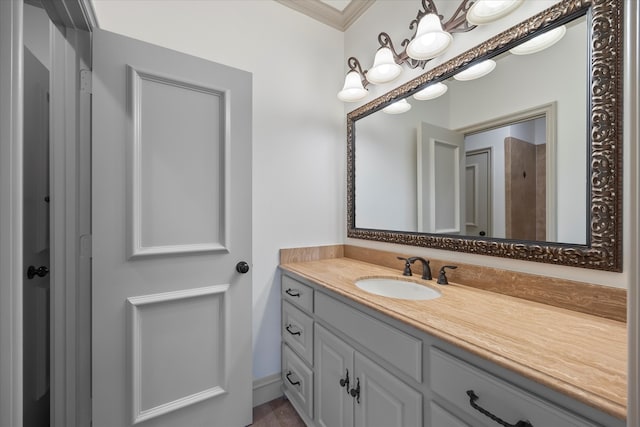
[
  {"x": 407, "y": 266},
  {"x": 442, "y": 277}
]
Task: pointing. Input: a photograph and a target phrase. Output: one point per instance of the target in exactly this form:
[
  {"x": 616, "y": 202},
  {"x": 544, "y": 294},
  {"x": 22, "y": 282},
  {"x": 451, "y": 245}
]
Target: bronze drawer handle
[
  {"x": 344, "y": 382},
  {"x": 472, "y": 401},
  {"x": 292, "y": 332},
  {"x": 291, "y": 293},
  {"x": 289, "y": 379}
]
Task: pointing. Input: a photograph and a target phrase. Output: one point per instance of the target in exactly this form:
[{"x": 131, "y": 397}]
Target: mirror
[{"x": 521, "y": 163}]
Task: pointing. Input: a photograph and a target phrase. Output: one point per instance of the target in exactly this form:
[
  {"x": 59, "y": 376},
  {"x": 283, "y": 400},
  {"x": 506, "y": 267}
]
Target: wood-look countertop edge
[{"x": 575, "y": 391}]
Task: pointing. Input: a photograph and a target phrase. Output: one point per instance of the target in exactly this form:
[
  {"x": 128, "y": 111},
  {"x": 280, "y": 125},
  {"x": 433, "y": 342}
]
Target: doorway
[
  {"x": 521, "y": 196},
  {"x": 36, "y": 310}
]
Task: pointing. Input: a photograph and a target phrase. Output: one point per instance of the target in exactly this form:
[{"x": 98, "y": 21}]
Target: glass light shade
[
  {"x": 485, "y": 11},
  {"x": 353, "y": 90},
  {"x": 476, "y": 71},
  {"x": 384, "y": 67},
  {"x": 431, "y": 92},
  {"x": 398, "y": 107},
  {"x": 430, "y": 40},
  {"x": 540, "y": 42}
]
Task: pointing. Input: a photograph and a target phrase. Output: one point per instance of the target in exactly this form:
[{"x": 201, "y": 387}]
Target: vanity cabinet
[
  {"x": 458, "y": 384},
  {"x": 297, "y": 345},
  {"x": 345, "y": 364},
  {"x": 351, "y": 390}
]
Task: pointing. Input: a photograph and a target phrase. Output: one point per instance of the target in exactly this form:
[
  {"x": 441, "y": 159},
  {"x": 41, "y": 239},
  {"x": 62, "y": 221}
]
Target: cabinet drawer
[
  {"x": 298, "y": 381},
  {"x": 440, "y": 417},
  {"x": 298, "y": 293},
  {"x": 394, "y": 346},
  {"x": 297, "y": 331},
  {"x": 452, "y": 377}
]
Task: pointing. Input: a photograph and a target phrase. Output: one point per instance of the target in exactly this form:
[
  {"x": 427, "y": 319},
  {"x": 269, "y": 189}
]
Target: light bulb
[
  {"x": 476, "y": 71},
  {"x": 398, "y": 107},
  {"x": 485, "y": 11},
  {"x": 431, "y": 92},
  {"x": 353, "y": 90},
  {"x": 384, "y": 67},
  {"x": 430, "y": 40},
  {"x": 540, "y": 42}
]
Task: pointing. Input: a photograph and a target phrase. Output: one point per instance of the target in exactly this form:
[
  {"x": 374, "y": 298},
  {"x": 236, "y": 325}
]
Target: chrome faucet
[{"x": 426, "y": 269}]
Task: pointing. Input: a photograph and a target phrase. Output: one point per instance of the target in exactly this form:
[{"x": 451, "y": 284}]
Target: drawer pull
[
  {"x": 292, "y": 332},
  {"x": 344, "y": 382},
  {"x": 291, "y": 292},
  {"x": 289, "y": 373},
  {"x": 355, "y": 392},
  {"x": 472, "y": 401}
]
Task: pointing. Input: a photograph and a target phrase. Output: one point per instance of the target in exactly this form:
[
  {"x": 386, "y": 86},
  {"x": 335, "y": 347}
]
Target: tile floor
[{"x": 277, "y": 413}]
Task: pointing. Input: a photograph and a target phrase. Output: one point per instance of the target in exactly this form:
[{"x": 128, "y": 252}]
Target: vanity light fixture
[
  {"x": 354, "y": 87},
  {"x": 385, "y": 68},
  {"x": 486, "y": 11},
  {"x": 431, "y": 92},
  {"x": 398, "y": 107},
  {"x": 431, "y": 38},
  {"x": 476, "y": 71},
  {"x": 540, "y": 42}
]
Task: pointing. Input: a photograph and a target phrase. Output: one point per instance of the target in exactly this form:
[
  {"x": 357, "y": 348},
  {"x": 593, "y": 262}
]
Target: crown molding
[{"x": 340, "y": 20}]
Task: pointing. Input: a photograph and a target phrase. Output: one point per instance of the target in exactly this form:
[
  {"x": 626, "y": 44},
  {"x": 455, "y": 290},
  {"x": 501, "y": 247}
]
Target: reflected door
[
  {"x": 171, "y": 197},
  {"x": 36, "y": 294},
  {"x": 440, "y": 154},
  {"x": 478, "y": 193}
]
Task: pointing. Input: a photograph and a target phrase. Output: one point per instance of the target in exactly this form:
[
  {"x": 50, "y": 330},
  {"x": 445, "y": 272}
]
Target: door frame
[
  {"x": 11, "y": 104},
  {"x": 70, "y": 212}
]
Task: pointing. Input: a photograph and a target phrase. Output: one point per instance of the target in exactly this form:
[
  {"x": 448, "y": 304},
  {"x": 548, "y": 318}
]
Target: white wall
[
  {"x": 394, "y": 17},
  {"x": 298, "y": 124}
]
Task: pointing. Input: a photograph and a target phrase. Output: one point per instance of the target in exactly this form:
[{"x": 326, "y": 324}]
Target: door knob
[
  {"x": 242, "y": 267},
  {"x": 40, "y": 271}
]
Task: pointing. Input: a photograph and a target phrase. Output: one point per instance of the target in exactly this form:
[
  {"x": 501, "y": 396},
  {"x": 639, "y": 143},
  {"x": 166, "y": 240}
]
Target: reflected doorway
[
  {"x": 506, "y": 179},
  {"x": 36, "y": 303}
]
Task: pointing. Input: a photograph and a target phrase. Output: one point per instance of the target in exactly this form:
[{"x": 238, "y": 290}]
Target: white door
[
  {"x": 171, "y": 198},
  {"x": 36, "y": 293},
  {"x": 477, "y": 193},
  {"x": 440, "y": 154}
]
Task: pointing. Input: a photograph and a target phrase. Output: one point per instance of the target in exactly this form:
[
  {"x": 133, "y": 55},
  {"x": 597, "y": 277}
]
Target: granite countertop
[{"x": 580, "y": 355}]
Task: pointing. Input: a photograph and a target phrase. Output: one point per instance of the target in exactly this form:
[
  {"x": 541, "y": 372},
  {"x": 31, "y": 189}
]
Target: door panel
[
  {"x": 384, "y": 399},
  {"x": 333, "y": 359},
  {"x": 36, "y": 296},
  {"x": 440, "y": 154},
  {"x": 478, "y": 193},
  {"x": 171, "y": 323}
]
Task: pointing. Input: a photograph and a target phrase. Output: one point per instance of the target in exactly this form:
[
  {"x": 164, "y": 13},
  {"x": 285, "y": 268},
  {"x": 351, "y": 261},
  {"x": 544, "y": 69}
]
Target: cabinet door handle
[
  {"x": 344, "y": 382},
  {"x": 472, "y": 401},
  {"x": 292, "y": 332},
  {"x": 291, "y": 292},
  {"x": 289, "y": 373},
  {"x": 355, "y": 392}
]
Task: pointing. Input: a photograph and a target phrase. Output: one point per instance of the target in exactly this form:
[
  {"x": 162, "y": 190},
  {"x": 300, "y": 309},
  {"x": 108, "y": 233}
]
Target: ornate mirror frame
[{"x": 603, "y": 250}]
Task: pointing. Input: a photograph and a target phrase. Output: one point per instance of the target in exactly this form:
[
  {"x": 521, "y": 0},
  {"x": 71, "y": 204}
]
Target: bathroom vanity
[{"x": 467, "y": 358}]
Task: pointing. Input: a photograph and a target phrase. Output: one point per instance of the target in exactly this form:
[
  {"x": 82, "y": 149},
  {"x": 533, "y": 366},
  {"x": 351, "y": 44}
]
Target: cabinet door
[
  {"x": 333, "y": 362},
  {"x": 384, "y": 399}
]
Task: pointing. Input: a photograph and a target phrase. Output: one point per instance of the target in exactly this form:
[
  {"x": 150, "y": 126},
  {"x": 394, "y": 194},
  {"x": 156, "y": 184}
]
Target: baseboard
[{"x": 266, "y": 389}]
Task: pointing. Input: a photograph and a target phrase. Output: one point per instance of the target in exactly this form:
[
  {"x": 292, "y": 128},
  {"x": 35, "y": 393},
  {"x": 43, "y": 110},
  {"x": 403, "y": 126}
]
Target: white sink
[{"x": 394, "y": 288}]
